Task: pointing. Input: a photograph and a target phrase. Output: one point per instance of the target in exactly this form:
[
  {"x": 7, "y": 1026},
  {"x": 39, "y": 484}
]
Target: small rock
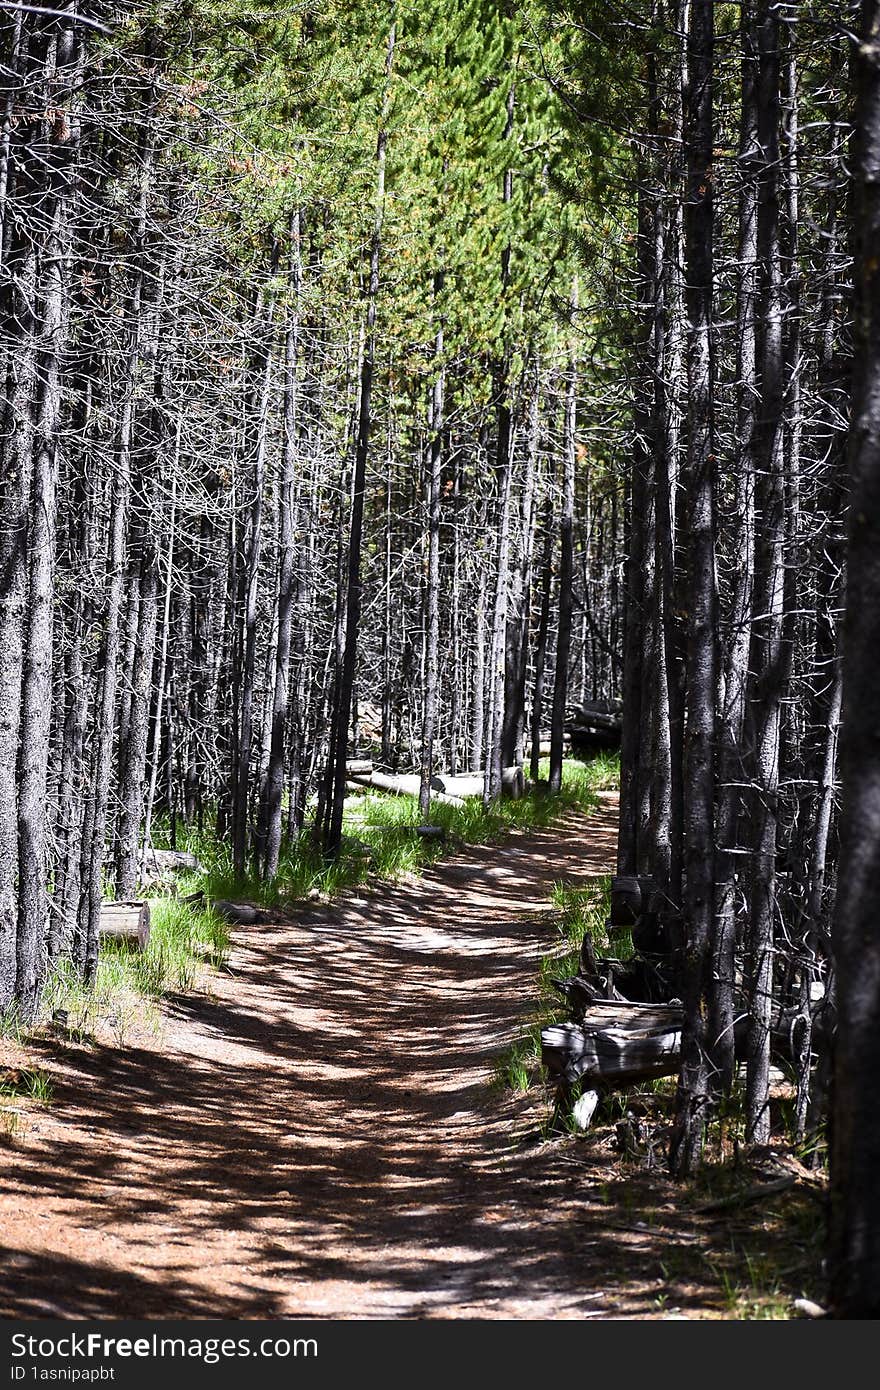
[
  {"x": 584, "y": 1108},
  {"x": 808, "y": 1309}
]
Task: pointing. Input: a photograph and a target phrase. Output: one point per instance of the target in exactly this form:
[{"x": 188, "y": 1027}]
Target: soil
[{"x": 316, "y": 1133}]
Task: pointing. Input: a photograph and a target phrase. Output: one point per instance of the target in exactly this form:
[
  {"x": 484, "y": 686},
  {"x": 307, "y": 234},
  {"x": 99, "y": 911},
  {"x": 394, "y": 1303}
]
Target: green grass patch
[
  {"x": 26, "y": 1083},
  {"x": 381, "y": 839},
  {"x": 128, "y": 983},
  {"x": 579, "y": 911}
]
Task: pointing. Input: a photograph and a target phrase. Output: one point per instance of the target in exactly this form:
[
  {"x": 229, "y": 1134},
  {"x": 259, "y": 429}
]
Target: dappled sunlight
[{"x": 317, "y": 1136}]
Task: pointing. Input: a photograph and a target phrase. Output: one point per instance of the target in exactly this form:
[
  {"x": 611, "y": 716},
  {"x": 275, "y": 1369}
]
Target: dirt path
[{"x": 317, "y": 1137}]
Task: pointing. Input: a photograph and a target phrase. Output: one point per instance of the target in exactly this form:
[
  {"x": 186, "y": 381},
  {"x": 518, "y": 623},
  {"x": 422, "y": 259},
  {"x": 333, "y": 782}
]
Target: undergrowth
[
  {"x": 381, "y": 839},
  {"x": 129, "y": 982},
  {"x": 579, "y": 911},
  {"x": 28, "y": 1084}
]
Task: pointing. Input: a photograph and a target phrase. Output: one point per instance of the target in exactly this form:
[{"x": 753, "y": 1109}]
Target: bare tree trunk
[
  {"x": 162, "y": 673},
  {"x": 855, "y": 1149},
  {"x": 516, "y": 664},
  {"x": 478, "y": 713},
  {"x": 732, "y": 769},
  {"x": 253, "y": 549},
  {"x": 274, "y": 784},
  {"x": 699, "y": 821},
  {"x": 133, "y": 745},
  {"x": 333, "y": 838},
  {"x": 432, "y": 588},
  {"x": 767, "y": 631},
  {"x": 566, "y": 564}
]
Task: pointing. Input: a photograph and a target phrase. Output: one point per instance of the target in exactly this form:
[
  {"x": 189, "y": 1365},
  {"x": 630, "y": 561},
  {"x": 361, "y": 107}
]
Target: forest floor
[{"x": 316, "y": 1134}]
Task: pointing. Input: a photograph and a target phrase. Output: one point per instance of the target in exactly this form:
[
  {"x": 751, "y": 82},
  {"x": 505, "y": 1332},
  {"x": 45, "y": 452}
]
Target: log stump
[{"x": 128, "y": 922}]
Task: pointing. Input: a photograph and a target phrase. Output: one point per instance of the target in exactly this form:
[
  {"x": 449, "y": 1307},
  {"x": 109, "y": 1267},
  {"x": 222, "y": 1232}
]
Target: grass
[
  {"x": 579, "y": 911},
  {"x": 26, "y": 1084},
  {"x": 29, "y": 1084},
  {"x": 381, "y": 839},
  {"x": 129, "y": 982}
]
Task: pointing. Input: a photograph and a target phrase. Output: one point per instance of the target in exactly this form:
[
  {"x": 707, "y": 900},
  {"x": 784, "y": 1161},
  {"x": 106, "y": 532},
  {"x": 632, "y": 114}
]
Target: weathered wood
[
  {"x": 359, "y": 767},
  {"x": 616, "y": 1043},
  {"x": 431, "y": 832},
  {"x": 544, "y": 747},
  {"x": 169, "y": 860},
  {"x": 619, "y": 1042},
  {"x": 447, "y": 789},
  {"x": 758, "y": 1193},
  {"x": 404, "y": 785},
  {"x": 125, "y": 921},
  {"x": 471, "y": 783},
  {"x": 591, "y": 716},
  {"x": 584, "y": 1108},
  {"x": 238, "y": 914}
]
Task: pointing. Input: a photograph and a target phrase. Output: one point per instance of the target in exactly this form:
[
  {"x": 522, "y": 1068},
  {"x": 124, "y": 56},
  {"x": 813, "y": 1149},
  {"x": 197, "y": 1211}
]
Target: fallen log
[
  {"x": 513, "y": 783},
  {"x": 431, "y": 832},
  {"x": 621, "y": 1042},
  {"x": 402, "y": 784},
  {"x": 127, "y": 922},
  {"x": 757, "y": 1193},
  {"x": 238, "y": 914},
  {"x": 584, "y": 738},
  {"x": 616, "y": 1043},
  {"x": 445, "y": 788},
  {"x": 595, "y": 718},
  {"x": 169, "y": 860},
  {"x": 359, "y": 767}
]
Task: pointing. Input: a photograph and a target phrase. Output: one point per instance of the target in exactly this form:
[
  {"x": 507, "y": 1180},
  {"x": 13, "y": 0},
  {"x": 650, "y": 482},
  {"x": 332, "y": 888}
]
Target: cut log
[
  {"x": 513, "y": 783},
  {"x": 616, "y": 1043},
  {"x": 125, "y": 921},
  {"x": 359, "y": 767}
]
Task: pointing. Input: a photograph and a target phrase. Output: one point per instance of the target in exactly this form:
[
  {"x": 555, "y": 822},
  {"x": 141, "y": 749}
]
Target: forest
[{"x": 439, "y": 606}]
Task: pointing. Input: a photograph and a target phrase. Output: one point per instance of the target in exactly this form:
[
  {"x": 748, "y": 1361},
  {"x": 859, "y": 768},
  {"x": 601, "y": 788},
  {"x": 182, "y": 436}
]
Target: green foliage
[
  {"x": 302, "y": 94},
  {"x": 381, "y": 840},
  {"x": 26, "y": 1084}
]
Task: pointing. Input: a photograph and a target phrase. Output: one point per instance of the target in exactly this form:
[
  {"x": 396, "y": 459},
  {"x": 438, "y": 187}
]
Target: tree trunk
[
  {"x": 566, "y": 564},
  {"x": 855, "y": 1149},
  {"x": 346, "y": 675},
  {"x": 768, "y": 651},
  {"x": 274, "y": 782},
  {"x": 699, "y": 815},
  {"x": 432, "y": 587},
  {"x": 732, "y": 767}
]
